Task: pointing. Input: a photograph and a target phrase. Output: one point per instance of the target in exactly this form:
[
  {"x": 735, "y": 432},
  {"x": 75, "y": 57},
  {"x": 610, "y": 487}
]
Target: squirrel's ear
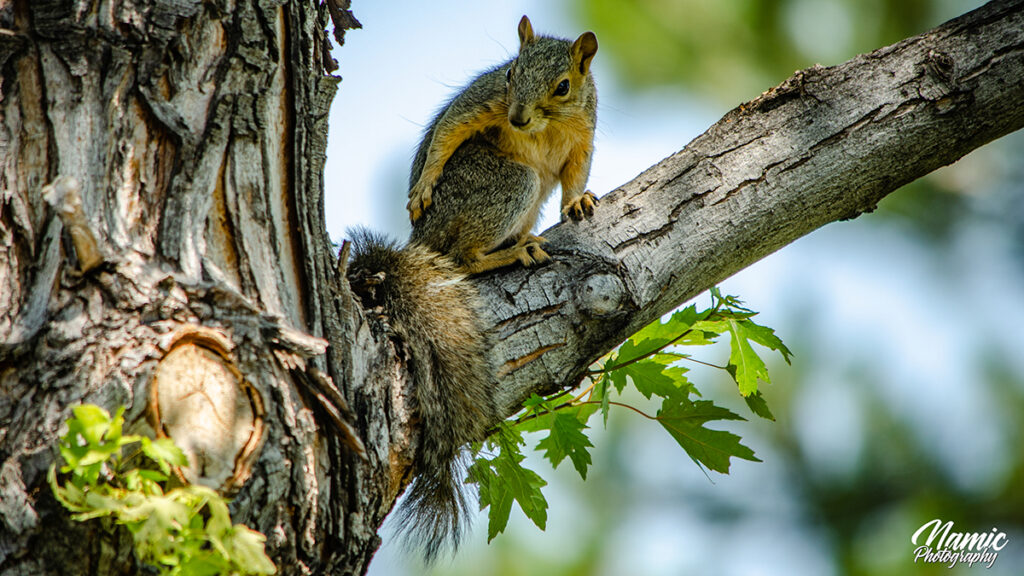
[
  {"x": 583, "y": 50},
  {"x": 525, "y": 32}
]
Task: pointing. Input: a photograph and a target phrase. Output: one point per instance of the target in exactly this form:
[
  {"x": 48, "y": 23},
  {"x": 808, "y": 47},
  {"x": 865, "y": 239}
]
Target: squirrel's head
[{"x": 550, "y": 78}]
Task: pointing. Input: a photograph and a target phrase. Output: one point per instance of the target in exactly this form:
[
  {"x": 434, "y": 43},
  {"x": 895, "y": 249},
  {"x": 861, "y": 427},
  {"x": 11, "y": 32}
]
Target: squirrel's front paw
[
  {"x": 419, "y": 200},
  {"x": 580, "y": 207}
]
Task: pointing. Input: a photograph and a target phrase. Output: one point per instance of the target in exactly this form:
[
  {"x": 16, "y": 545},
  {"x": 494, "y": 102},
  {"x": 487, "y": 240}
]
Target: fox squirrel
[{"x": 486, "y": 164}]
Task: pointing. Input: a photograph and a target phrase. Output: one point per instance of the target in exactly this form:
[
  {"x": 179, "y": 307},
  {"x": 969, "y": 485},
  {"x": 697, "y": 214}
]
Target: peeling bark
[
  {"x": 161, "y": 175},
  {"x": 159, "y": 172}
]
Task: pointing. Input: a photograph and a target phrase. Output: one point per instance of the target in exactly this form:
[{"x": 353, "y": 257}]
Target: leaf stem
[
  {"x": 633, "y": 408},
  {"x": 587, "y": 390},
  {"x": 709, "y": 364},
  {"x": 569, "y": 404}
]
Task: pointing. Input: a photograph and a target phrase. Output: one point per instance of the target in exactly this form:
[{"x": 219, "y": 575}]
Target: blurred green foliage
[
  {"x": 735, "y": 49},
  {"x": 730, "y": 51}
]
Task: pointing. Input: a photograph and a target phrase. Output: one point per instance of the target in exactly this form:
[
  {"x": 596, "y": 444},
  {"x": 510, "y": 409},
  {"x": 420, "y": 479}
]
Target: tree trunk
[{"x": 161, "y": 216}]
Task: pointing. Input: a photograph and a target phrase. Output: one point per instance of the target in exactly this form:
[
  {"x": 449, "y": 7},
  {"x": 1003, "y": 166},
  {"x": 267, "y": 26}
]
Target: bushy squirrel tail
[{"x": 435, "y": 312}]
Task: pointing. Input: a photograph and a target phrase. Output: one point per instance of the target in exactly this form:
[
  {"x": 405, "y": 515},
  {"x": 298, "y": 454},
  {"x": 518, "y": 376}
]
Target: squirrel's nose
[{"x": 518, "y": 115}]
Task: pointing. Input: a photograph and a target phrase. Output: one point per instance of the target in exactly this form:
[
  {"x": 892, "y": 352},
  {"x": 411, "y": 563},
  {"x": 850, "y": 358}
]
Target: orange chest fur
[{"x": 547, "y": 150}]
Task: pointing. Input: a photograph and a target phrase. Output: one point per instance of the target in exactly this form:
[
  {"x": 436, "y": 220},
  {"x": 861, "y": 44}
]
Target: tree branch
[{"x": 825, "y": 145}]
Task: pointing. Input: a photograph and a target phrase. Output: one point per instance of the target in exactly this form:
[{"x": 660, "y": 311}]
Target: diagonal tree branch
[{"x": 825, "y": 145}]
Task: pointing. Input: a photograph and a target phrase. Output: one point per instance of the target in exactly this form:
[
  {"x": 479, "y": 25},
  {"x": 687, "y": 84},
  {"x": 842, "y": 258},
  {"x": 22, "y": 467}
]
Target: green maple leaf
[
  {"x": 766, "y": 337},
  {"x": 654, "y": 379},
  {"x": 567, "y": 439},
  {"x": 503, "y": 479},
  {"x": 600, "y": 394},
  {"x": 498, "y": 501},
  {"x": 744, "y": 363},
  {"x": 164, "y": 452},
  {"x": 685, "y": 421},
  {"x": 539, "y": 415},
  {"x": 758, "y": 406},
  {"x": 656, "y": 335}
]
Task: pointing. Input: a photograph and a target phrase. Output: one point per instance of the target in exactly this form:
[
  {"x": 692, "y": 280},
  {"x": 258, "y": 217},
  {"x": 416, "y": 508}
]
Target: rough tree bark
[{"x": 163, "y": 240}]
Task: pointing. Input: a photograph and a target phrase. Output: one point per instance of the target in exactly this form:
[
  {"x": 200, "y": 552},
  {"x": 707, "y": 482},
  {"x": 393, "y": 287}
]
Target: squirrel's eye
[
  {"x": 563, "y": 88},
  {"x": 508, "y": 74}
]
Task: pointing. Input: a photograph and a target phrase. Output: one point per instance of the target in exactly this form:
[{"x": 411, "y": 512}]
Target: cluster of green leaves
[
  {"x": 650, "y": 361},
  {"x": 185, "y": 530}
]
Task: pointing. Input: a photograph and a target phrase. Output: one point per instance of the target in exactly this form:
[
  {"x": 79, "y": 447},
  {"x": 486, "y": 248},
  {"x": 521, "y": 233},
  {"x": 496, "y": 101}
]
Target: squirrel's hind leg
[{"x": 526, "y": 253}]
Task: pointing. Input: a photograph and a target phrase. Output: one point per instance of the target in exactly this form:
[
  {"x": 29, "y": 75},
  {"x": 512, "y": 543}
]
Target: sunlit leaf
[
  {"x": 164, "y": 452},
  {"x": 710, "y": 448},
  {"x": 567, "y": 439},
  {"x": 503, "y": 479}
]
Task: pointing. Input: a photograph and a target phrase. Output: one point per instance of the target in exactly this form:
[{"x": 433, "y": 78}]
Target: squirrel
[{"x": 486, "y": 164}]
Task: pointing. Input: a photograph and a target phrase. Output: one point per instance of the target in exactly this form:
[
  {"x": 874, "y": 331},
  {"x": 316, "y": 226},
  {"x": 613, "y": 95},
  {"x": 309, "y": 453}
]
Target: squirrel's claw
[
  {"x": 538, "y": 253},
  {"x": 582, "y": 207},
  {"x": 414, "y": 212},
  {"x": 419, "y": 200},
  {"x": 531, "y": 253}
]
